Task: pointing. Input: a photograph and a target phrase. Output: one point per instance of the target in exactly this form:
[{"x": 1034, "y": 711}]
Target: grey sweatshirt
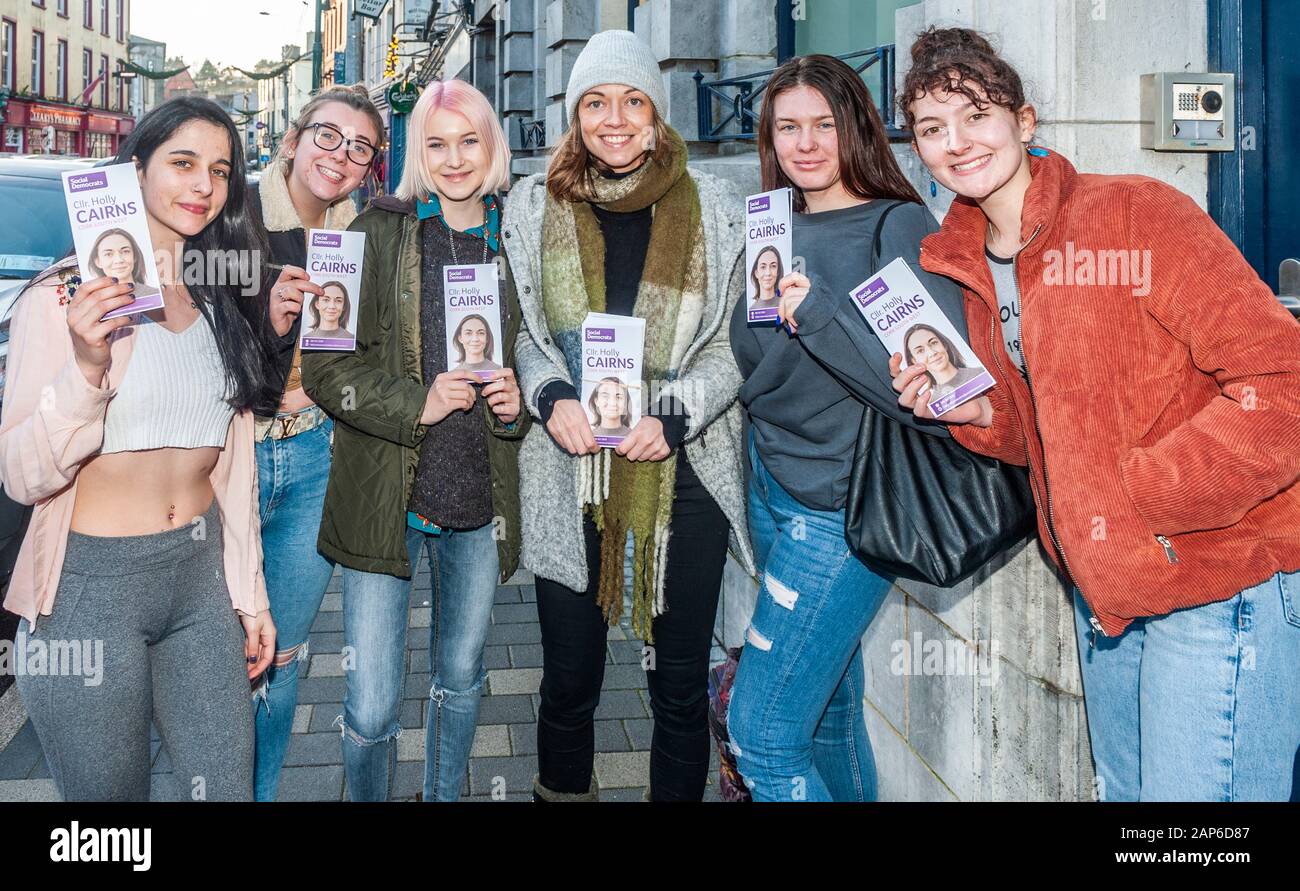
[{"x": 805, "y": 420}]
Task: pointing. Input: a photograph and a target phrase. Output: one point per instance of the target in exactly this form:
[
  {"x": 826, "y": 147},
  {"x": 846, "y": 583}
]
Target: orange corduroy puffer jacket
[{"x": 1161, "y": 416}]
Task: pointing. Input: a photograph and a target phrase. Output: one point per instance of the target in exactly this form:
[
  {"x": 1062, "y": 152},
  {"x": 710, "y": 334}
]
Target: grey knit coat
[{"x": 708, "y": 383}]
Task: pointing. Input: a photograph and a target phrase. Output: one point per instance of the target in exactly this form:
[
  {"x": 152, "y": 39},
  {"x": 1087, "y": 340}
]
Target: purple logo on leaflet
[
  {"x": 327, "y": 240},
  {"x": 460, "y": 275},
  {"x": 870, "y": 291},
  {"x": 83, "y": 182},
  {"x": 760, "y": 204},
  {"x": 599, "y": 335}
]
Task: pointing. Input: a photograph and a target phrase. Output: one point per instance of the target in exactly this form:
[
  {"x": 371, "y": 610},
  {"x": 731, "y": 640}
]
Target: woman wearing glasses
[{"x": 324, "y": 157}]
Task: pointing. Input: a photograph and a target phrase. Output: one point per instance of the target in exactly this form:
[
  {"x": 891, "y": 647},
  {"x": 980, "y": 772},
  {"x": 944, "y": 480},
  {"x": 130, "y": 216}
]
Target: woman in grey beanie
[{"x": 620, "y": 225}]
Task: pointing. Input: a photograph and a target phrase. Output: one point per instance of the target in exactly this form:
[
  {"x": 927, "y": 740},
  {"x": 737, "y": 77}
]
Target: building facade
[
  {"x": 60, "y": 64},
  {"x": 146, "y": 92},
  {"x": 279, "y": 99}
]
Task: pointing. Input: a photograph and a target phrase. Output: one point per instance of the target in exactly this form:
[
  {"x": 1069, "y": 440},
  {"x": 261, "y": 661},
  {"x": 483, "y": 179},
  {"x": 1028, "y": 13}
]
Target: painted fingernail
[
  {"x": 114, "y": 279},
  {"x": 252, "y": 659}
]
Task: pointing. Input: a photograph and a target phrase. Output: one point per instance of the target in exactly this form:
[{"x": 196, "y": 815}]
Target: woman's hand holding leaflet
[{"x": 912, "y": 385}]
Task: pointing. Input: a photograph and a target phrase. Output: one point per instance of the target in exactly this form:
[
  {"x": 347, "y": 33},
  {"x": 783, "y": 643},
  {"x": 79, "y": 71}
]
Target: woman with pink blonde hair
[{"x": 427, "y": 455}]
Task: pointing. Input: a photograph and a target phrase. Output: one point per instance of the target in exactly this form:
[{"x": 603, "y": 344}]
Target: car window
[{"x": 34, "y": 230}]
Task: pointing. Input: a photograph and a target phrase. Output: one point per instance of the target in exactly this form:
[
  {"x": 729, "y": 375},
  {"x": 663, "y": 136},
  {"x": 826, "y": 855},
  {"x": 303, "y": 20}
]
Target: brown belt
[{"x": 285, "y": 426}]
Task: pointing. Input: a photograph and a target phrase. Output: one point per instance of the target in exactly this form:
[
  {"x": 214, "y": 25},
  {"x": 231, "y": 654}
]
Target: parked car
[{"x": 34, "y": 232}]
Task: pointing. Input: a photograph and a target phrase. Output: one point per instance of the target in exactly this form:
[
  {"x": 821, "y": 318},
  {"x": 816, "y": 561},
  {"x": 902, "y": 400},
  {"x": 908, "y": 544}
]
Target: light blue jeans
[
  {"x": 291, "y": 478},
  {"x": 1201, "y": 704},
  {"x": 795, "y": 718},
  {"x": 463, "y": 570}
]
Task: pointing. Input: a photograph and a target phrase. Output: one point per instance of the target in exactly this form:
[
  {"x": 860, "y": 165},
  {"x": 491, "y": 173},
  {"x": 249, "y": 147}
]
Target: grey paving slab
[
  {"x": 523, "y": 739},
  {"x": 313, "y": 748},
  {"x": 514, "y": 774},
  {"x": 624, "y": 677},
  {"x": 498, "y": 657},
  {"x": 326, "y": 642},
  {"x": 620, "y": 704},
  {"x": 512, "y": 709},
  {"x": 323, "y": 783},
  {"x": 312, "y": 690},
  {"x": 507, "y": 594},
  {"x": 519, "y": 633},
  {"x": 525, "y": 656},
  {"x": 611, "y": 737},
  {"x": 505, "y": 613},
  {"x": 639, "y": 731},
  {"x": 322, "y": 717}
]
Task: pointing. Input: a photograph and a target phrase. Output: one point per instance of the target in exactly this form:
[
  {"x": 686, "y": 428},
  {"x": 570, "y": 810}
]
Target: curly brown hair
[{"x": 959, "y": 60}]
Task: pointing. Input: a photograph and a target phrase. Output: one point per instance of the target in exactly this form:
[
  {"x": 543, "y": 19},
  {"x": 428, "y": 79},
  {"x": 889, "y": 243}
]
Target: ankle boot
[{"x": 541, "y": 793}]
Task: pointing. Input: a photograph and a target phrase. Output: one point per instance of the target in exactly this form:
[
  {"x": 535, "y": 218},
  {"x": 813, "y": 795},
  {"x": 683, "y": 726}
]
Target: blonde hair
[
  {"x": 455, "y": 95},
  {"x": 356, "y": 97}
]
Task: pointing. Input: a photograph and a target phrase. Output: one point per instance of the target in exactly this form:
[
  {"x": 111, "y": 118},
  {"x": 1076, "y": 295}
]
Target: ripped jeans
[
  {"x": 291, "y": 478},
  {"x": 463, "y": 567},
  {"x": 795, "y": 719}
]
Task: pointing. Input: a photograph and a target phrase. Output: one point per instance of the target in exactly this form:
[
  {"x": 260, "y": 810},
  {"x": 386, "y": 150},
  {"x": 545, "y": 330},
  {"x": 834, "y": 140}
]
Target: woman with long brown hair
[
  {"x": 620, "y": 225},
  {"x": 796, "y": 721}
]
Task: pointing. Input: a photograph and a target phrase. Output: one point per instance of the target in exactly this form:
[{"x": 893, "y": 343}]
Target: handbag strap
[{"x": 875, "y": 238}]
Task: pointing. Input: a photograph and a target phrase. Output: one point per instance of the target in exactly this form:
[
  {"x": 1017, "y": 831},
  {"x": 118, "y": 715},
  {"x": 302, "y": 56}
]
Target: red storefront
[{"x": 91, "y": 133}]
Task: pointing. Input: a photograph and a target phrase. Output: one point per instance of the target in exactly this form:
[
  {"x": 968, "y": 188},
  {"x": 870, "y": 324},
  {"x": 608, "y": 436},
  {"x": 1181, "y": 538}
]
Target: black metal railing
[
  {"x": 740, "y": 97},
  {"x": 532, "y": 134}
]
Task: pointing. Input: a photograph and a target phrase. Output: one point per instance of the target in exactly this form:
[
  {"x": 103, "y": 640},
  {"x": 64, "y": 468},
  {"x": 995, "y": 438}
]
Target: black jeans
[{"x": 573, "y": 656}]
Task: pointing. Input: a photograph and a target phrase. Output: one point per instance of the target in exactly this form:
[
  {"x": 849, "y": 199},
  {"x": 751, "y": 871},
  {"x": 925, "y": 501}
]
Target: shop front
[{"x": 38, "y": 128}]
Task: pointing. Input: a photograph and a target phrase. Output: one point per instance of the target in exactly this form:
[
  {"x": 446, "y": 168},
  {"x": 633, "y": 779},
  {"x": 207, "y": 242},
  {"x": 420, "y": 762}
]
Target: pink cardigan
[{"x": 53, "y": 420}]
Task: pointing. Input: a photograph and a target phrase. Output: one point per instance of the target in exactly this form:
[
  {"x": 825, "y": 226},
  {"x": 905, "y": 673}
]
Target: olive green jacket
[{"x": 376, "y": 396}]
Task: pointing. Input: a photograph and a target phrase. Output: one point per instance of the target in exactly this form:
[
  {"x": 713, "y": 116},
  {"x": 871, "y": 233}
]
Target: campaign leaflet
[
  {"x": 111, "y": 233},
  {"x": 612, "y": 348},
  {"x": 907, "y": 320},
  {"x": 473, "y": 304},
  {"x": 329, "y": 320},
  {"x": 768, "y": 252}
]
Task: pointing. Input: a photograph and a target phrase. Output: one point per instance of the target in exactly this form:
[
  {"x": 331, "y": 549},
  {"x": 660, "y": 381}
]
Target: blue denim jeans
[
  {"x": 1201, "y": 704},
  {"x": 291, "y": 478},
  {"x": 795, "y": 718},
  {"x": 463, "y": 569}
]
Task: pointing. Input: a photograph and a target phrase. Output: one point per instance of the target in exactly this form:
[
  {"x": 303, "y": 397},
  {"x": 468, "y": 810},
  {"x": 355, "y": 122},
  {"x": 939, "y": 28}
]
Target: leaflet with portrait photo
[
  {"x": 111, "y": 232},
  {"x": 612, "y": 354},
  {"x": 334, "y": 260},
  {"x": 906, "y": 318},
  {"x": 768, "y": 252},
  {"x": 472, "y": 297}
]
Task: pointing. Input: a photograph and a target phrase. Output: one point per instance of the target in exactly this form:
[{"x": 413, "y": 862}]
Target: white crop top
[{"x": 173, "y": 394}]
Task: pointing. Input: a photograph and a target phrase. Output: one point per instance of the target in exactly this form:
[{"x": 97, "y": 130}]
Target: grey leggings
[{"x": 157, "y": 611}]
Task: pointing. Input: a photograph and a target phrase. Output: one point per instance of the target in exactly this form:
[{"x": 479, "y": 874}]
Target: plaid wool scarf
[{"x": 622, "y": 494}]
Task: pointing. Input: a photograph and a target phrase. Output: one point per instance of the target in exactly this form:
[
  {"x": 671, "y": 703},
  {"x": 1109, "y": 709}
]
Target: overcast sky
[{"x": 229, "y": 32}]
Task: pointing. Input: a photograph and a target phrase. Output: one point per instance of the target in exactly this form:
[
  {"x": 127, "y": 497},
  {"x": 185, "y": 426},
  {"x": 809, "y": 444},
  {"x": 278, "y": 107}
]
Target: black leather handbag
[{"x": 923, "y": 507}]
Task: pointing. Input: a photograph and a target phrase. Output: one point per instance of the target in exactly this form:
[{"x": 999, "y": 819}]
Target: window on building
[
  {"x": 40, "y": 3},
  {"x": 88, "y": 13},
  {"x": 8, "y": 54},
  {"x": 121, "y": 19},
  {"x": 87, "y": 70},
  {"x": 38, "y": 63},
  {"x": 103, "y": 81},
  {"x": 103, "y": 17},
  {"x": 61, "y": 73},
  {"x": 121, "y": 84},
  {"x": 62, "y": 8}
]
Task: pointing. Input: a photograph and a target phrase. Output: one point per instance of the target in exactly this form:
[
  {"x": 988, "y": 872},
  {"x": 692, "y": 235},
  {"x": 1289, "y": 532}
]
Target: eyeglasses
[{"x": 329, "y": 138}]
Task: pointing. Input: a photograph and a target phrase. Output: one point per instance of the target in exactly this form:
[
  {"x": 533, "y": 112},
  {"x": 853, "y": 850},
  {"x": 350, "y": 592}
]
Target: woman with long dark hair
[
  {"x": 796, "y": 713},
  {"x": 133, "y": 439},
  {"x": 1158, "y": 410}
]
